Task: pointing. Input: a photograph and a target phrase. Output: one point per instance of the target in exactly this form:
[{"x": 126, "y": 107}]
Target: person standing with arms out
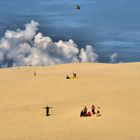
[{"x": 47, "y": 110}]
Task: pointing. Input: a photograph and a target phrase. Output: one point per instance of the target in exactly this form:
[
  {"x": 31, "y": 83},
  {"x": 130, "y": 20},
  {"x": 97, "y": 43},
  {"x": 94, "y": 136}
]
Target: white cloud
[
  {"x": 88, "y": 55},
  {"x": 113, "y": 57},
  {"x": 25, "y": 47}
]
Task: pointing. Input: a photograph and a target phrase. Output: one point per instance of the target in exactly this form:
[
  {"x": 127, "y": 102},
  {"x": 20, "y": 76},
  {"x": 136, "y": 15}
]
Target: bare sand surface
[{"x": 113, "y": 87}]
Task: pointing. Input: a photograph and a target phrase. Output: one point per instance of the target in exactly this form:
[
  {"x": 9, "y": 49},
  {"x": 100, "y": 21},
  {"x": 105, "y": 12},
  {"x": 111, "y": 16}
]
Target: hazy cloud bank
[{"x": 30, "y": 47}]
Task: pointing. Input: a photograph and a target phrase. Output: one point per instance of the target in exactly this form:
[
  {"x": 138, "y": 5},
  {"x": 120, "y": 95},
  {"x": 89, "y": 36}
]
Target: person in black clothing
[
  {"x": 93, "y": 109},
  {"x": 85, "y": 111},
  {"x": 81, "y": 113},
  {"x": 67, "y": 77},
  {"x": 47, "y": 110}
]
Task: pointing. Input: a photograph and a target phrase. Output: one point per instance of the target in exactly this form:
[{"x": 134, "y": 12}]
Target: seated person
[
  {"x": 74, "y": 76},
  {"x": 81, "y": 113},
  {"x": 85, "y": 111},
  {"x": 98, "y": 112},
  {"x": 89, "y": 114},
  {"x": 67, "y": 77}
]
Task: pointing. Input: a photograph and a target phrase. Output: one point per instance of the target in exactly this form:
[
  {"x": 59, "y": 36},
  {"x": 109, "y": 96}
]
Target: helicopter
[{"x": 78, "y": 7}]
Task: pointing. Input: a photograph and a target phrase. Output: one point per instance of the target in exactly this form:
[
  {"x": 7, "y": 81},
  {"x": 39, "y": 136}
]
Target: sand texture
[{"x": 113, "y": 87}]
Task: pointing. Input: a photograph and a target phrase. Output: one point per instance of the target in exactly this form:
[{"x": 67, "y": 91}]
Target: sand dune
[{"x": 113, "y": 87}]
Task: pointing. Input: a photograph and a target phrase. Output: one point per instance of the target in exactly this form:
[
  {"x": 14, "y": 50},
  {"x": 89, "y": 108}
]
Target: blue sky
[{"x": 109, "y": 26}]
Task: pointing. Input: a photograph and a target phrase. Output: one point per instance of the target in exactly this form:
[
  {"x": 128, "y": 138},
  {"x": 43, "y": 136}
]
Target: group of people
[
  {"x": 74, "y": 76},
  {"x": 85, "y": 113}
]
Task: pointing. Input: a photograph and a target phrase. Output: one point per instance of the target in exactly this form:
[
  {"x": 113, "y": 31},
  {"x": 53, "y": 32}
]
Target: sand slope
[{"x": 114, "y": 87}]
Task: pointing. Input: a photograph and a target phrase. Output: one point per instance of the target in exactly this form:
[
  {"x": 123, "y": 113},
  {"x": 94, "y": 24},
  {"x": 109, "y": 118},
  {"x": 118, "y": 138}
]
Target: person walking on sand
[
  {"x": 93, "y": 109},
  {"x": 34, "y": 73}
]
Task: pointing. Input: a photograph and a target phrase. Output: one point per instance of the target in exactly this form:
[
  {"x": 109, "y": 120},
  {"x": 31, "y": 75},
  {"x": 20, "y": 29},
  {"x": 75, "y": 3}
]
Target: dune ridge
[{"x": 113, "y": 87}]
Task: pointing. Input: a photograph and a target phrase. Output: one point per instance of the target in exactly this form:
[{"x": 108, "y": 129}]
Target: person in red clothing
[
  {"x": 93, "y": 109},
  {"x": 89, "y": 114}
]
